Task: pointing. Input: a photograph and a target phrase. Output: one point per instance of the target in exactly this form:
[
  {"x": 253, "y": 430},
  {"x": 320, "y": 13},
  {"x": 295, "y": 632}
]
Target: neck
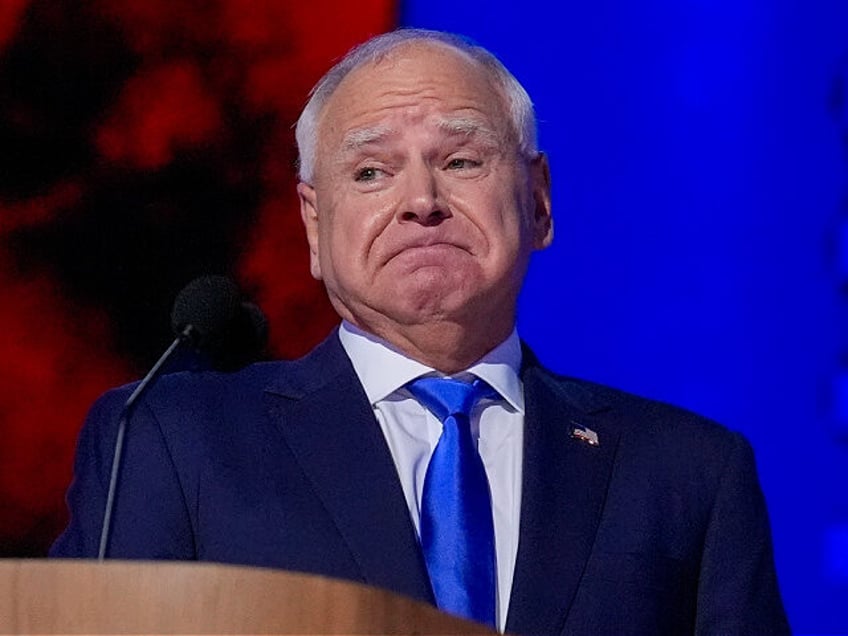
[{"x": 447, "y": 347}]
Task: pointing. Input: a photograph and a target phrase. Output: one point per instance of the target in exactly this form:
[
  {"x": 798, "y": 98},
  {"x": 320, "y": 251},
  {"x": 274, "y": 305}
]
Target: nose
[{"x": 422, "y": 202}]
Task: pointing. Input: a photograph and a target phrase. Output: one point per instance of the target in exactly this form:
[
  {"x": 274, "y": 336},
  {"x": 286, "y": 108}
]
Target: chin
[{"x": 430, "y": 306}]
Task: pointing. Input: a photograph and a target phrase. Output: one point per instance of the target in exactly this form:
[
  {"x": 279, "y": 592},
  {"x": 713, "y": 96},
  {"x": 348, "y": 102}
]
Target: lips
[{"x": 426, "y": 245}]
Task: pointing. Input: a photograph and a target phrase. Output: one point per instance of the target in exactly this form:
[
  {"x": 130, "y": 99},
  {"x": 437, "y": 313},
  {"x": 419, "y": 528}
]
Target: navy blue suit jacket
[{"x": 662, "y": 528}]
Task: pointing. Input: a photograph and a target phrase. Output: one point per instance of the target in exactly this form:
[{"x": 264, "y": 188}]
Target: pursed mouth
[{"x": 423, "y": 247}]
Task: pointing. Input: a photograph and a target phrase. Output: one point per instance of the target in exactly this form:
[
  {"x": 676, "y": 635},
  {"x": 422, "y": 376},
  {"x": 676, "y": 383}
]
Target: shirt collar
[{"x": 382, "y": 369}]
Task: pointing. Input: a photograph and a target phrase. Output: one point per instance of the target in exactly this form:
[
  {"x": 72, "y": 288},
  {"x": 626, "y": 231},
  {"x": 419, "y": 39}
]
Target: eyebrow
[
  {"x": 356, "y": 139},
  {"x": 469, "y": 127}
]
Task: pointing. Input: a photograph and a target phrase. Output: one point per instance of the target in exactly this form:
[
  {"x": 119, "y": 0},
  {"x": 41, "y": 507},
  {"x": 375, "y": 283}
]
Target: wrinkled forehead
[{"x": 415, "y": 76}]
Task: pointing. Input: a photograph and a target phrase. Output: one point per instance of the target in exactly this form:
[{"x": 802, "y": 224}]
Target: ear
[
  {"x": 543, "y": 223},
  {"x": 309, "y": 215}
]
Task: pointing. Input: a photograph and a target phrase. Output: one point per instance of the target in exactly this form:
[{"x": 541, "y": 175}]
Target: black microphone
[
  {"x": 241, "y": 342},
  {"x": 209, "y": 316},
  {"x": 203, "y": 309}
]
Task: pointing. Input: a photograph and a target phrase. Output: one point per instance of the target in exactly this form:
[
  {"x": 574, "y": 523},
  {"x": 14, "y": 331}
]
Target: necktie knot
[{"x": 444, "y": 397}]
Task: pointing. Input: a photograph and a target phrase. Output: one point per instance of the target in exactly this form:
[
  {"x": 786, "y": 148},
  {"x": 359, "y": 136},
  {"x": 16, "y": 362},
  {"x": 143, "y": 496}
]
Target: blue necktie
[{"x": 457, "y": 532}]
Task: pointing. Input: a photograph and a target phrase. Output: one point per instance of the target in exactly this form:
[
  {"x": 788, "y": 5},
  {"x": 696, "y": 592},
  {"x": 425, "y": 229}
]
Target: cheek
[
  {"x": 353, "y": 226},
  {"x": 499, "y": 215}
]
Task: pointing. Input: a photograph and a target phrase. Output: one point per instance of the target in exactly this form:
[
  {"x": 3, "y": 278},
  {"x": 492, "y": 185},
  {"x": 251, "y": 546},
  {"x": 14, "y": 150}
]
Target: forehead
[{"x": 412, "y": 82}]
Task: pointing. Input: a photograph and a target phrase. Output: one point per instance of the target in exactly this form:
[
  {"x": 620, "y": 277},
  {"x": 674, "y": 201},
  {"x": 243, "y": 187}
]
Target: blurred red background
[{"x": 142, "y": 144}]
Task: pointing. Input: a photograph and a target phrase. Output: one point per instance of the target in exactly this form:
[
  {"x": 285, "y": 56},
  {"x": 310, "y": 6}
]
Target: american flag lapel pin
[{"x": 585, "y": 434}]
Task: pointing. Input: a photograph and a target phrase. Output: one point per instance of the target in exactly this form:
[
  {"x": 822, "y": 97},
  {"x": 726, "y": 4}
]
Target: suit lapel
[
  {"x": 564, "y": 488},
  {"x": 328, "y": 424}
]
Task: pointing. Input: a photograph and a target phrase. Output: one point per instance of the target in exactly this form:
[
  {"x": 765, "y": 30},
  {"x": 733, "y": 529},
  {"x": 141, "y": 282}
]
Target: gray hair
[{"x": 520, "y": 107}]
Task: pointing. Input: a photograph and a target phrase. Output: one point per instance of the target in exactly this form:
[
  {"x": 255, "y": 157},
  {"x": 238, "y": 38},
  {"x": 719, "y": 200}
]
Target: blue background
[{"x": 699, "y": 175}]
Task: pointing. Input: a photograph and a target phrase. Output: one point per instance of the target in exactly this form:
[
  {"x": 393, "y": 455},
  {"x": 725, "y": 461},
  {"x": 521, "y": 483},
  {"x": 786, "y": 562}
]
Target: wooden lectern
[{"x": 122, "y": 597}]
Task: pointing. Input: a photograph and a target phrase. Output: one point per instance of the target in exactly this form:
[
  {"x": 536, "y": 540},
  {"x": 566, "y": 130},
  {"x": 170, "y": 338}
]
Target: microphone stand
[{"x": 187, "y": 335}]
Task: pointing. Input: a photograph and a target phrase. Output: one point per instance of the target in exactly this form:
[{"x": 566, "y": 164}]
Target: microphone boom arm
[{"x": 186, "y": 336}]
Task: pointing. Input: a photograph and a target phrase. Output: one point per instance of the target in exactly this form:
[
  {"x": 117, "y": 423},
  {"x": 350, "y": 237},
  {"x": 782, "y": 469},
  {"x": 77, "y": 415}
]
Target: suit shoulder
[
  {"x": 323, "y": 363},
  {"x": 648, "y": 419}
]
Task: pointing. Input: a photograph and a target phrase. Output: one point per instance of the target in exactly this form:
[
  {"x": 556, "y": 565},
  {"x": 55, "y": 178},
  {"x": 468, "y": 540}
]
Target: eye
[
  {"x": 367, "y": 174},
  {"x": 462, "y": 163}
]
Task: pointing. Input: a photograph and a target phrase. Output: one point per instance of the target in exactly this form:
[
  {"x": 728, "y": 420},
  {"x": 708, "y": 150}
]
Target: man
[{"x": 423, "y": 195}]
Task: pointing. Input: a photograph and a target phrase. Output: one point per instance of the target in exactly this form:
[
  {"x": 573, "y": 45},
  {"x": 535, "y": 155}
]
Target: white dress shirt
[{"x": 412, "y": 432}]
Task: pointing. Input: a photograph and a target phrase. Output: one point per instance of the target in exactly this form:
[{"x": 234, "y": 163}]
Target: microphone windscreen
[
  {"x": 243, "y": 340},
  {"x": 208, "y": 306}
]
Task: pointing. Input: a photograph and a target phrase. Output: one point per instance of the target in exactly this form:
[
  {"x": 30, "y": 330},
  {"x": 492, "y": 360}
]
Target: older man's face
[{"x": 422, "y": 209}]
